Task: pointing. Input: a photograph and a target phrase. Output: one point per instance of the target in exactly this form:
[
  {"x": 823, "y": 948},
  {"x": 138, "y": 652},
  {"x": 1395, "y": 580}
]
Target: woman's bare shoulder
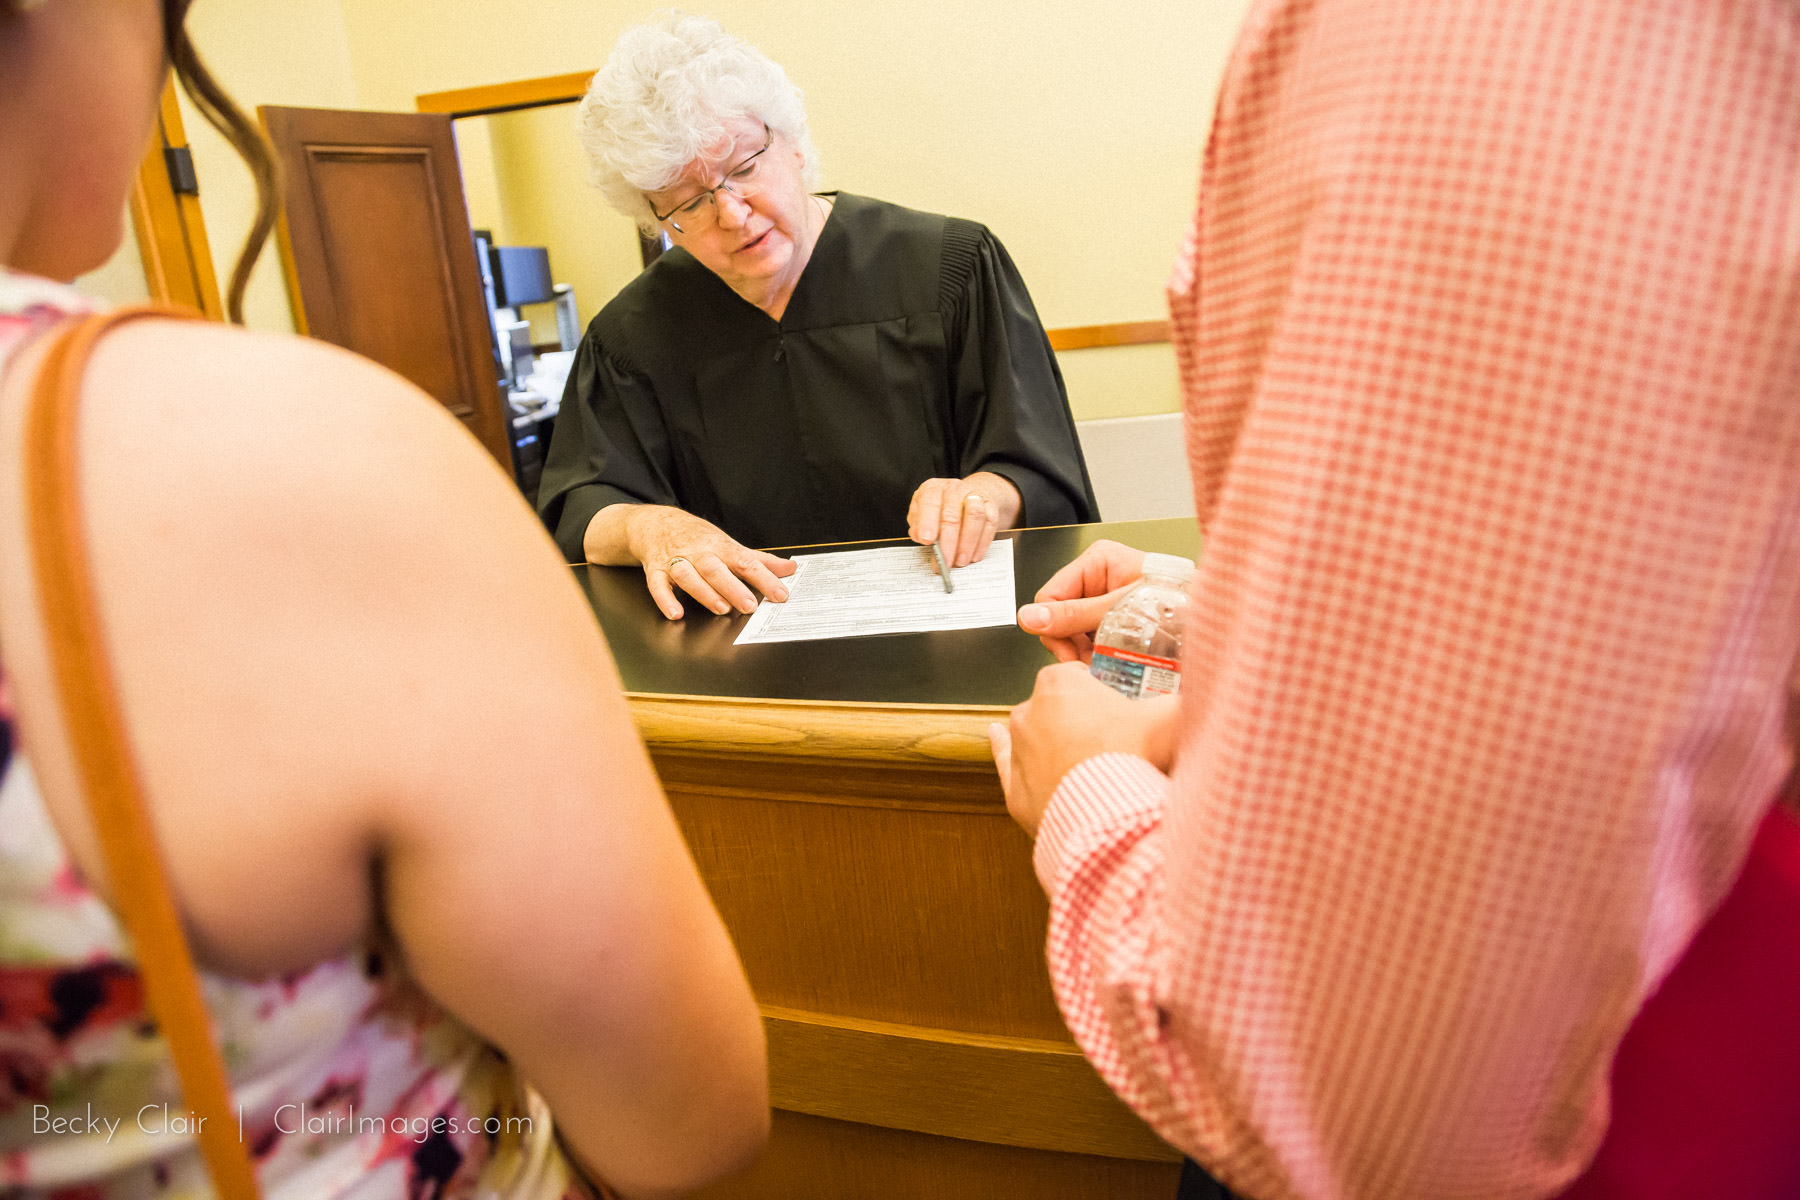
[{"x": 267, "y": 413}]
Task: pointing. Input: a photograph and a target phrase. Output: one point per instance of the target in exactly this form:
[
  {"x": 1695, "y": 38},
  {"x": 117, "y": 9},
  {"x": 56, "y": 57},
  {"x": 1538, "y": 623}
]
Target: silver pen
[{"x": 943, "y": 568}]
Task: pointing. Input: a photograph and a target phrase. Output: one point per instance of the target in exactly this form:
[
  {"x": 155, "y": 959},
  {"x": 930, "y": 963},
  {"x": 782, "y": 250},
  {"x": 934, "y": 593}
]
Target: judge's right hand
[
  {"x": 1066, "y": 610},
  {"x": 679, "y": 550}
]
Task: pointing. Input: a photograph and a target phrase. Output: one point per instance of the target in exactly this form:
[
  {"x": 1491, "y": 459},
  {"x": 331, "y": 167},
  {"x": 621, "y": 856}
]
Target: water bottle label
[{"x": 1136, "y": 674}]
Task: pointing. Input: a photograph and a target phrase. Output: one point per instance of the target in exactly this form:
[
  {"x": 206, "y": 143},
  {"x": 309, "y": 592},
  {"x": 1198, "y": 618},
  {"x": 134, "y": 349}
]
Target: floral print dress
[{"x": 348, "y": 1081}]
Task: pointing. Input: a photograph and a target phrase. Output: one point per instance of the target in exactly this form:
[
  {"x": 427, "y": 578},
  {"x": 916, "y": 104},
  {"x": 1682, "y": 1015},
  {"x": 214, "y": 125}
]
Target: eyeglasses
[{"x": 692, "y": 216}]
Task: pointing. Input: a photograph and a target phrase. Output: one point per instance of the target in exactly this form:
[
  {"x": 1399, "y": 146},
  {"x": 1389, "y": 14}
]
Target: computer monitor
[{"x": 522, "y": 276}]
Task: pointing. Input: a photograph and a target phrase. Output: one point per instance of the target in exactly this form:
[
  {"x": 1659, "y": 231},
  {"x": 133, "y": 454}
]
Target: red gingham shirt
[{"x": 1489, "y": 329}]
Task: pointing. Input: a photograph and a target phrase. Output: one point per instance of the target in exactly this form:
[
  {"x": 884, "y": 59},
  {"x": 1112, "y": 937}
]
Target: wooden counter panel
[
  {"x": 919, "y": 915},
  {"x": 813, "y": 1158},
  {"x": 1028, "y": 1092}
]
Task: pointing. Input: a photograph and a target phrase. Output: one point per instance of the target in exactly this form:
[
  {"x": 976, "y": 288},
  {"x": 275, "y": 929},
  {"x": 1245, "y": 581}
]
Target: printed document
[{"x": 893, "y": 589}]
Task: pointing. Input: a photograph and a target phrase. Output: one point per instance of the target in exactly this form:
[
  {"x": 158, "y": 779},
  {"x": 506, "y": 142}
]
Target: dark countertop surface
[{"x": 993, "y": 666}]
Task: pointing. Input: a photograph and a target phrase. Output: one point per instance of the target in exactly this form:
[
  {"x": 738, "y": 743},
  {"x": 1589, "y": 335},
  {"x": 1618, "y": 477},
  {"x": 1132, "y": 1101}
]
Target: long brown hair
[{"x": 223, "y": 114}]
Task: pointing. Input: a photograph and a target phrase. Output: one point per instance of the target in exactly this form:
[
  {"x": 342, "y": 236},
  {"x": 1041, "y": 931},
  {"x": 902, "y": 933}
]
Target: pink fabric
[{"x": 1489, "y": 326}]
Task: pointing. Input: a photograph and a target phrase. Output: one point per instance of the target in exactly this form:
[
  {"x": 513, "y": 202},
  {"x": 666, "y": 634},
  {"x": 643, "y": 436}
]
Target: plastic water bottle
[{"x": 1137, "y": 649}]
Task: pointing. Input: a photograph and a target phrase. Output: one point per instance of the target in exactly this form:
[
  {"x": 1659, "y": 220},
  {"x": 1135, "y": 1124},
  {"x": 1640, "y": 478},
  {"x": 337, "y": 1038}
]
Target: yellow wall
[
  {"x": 481, "y": 186},
  {"x": 1073, "y": 130},
  {"x": 264, "y": 52},
  {"x": 541, "y": 181}
]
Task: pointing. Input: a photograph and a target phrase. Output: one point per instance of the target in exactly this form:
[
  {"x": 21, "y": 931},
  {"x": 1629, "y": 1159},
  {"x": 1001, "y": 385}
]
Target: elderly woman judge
[{"x": 800, "y": 367}]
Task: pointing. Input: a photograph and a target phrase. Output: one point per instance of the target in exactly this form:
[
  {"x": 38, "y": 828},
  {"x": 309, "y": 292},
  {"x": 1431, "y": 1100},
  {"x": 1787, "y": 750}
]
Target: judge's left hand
[
  {"x": 963, "y": 513},
  {"x": 1070, "y": 718}
]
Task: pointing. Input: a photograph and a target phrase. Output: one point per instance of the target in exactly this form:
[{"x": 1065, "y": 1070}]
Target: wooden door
[{"x": 376, "y": 245}]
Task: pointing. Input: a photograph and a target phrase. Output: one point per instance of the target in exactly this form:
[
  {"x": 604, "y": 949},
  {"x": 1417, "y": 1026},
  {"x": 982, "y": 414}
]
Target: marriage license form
[{"x": 891, "y": 589}]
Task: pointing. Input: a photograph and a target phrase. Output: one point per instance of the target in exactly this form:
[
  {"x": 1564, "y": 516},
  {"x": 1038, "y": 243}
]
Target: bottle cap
[{"x": 1169, "y": 566}]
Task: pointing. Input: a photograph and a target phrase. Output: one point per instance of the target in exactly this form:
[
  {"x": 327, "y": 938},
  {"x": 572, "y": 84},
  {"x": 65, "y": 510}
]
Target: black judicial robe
[{"x": 909, "y": 350}]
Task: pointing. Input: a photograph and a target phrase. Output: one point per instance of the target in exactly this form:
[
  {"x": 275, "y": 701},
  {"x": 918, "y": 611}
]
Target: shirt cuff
[{"x": 1106, "y": 799}]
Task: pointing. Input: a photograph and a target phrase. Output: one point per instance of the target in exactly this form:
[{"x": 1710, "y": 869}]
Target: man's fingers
[
  {"x": 1104, "y": 566},
  {"x": 1065, "y": 618},
  {"x": 1165, "y": 734},
  {"x": 1068, "y": 581},
  {"x": 1065, "y": 627},
  {"x": 1067, "y": 676},
  {"x": 1000, "y": 743}
]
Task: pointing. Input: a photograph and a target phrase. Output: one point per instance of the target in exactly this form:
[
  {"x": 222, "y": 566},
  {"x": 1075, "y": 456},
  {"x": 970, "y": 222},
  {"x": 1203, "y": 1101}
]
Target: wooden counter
[{"x": 844, "y": 812}]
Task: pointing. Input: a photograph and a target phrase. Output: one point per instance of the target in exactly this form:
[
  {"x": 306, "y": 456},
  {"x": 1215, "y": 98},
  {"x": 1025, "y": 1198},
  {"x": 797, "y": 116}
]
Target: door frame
[{"x": 171, "y": 232}]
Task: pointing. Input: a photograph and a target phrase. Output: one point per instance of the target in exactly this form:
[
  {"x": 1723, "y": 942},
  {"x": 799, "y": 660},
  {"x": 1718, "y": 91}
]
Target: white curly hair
[{"x": 662, "y": 100}]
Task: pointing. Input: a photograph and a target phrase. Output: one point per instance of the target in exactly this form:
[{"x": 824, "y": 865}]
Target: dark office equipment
[
  {"x": 522, "y": 276},
  {"x": 519, "y": 351},
  {"x": 511, "y": 277},
  {"x": 531, "y": 438},
  {"x": 484, "y": 266}
]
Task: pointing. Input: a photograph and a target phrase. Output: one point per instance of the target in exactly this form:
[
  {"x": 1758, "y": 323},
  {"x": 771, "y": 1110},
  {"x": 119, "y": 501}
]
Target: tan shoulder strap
[{"x": 102, "y": 748}]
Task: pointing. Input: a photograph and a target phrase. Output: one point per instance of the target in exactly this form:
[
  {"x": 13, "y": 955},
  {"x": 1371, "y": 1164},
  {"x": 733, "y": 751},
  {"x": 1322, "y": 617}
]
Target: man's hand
[
  {"x": 1066, "y": 610},
  {"x": 678, "y": 549},
  {"x": 963, "y": 513},
  {"x": 1070, "y": 718}
]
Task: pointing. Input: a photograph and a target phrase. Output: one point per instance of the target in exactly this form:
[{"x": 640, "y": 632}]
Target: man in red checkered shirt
[{"x": 1489, "y": 330}]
